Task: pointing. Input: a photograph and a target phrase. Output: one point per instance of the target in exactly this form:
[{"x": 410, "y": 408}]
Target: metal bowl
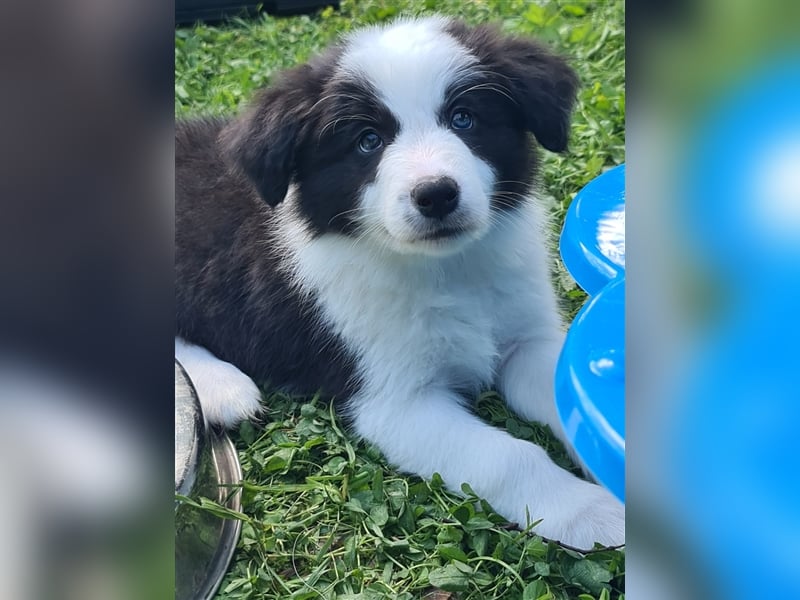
[{"x": 206, "y": 466}]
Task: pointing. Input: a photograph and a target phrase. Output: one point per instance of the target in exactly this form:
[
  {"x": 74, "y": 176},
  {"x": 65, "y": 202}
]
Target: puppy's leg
[
  {"x": 432, "y": 432},
  {"x": 526, "y": 380},
  {"x": 226, "y": 395}
]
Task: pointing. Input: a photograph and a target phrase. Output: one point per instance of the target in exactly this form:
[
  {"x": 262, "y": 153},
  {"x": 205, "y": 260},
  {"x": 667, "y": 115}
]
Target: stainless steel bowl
[{"x": 206, "y": 466}]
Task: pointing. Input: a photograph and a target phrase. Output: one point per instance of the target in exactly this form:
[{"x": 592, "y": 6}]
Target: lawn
[{"x": 327, "y": 517}]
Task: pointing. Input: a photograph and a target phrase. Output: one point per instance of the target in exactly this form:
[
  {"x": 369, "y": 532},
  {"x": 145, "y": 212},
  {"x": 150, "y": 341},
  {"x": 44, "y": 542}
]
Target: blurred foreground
[{"x": 713, "y": 235}]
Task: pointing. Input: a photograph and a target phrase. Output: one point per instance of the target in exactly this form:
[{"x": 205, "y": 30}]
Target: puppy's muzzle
[{"x": 436, "y": 198}]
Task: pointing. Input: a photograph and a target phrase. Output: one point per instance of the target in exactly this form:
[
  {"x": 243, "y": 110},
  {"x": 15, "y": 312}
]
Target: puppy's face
[{"x": 412, "y": 135}]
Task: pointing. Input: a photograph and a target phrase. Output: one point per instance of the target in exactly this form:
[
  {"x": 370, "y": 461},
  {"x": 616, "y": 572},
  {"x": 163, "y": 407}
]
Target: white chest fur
[{"x": 415, "y": 321}]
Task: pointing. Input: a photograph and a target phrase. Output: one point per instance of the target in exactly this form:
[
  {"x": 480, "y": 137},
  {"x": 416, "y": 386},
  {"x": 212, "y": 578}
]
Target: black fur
[{"x": 230, "y": 297}]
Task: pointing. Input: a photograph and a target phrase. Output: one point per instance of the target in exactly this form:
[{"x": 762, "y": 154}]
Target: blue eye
[
  {"x": 461, "y": 119},
  {"x": 369, "y": 142}
]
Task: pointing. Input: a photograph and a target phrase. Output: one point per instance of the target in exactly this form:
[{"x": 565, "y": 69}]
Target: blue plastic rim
[
  {"x": 592, "y": 242},
  {"x": 590, "y": 386}
]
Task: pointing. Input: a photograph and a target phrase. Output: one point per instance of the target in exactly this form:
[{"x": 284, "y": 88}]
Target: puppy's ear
[
  {"x": 545, "y": 87},
  {"x": 262, "y": 142},
  {"x": 541, "y": 83}
]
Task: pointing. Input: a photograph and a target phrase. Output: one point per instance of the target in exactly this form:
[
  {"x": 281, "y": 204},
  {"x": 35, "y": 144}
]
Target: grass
[{"x": 326, "y": 517}]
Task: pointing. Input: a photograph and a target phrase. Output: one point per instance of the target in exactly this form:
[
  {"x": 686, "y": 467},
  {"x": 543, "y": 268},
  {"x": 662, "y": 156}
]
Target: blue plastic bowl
[{"x": 590, "y": 375}]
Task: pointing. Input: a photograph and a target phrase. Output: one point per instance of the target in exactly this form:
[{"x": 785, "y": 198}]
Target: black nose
[{"x": 435, "y": 198}]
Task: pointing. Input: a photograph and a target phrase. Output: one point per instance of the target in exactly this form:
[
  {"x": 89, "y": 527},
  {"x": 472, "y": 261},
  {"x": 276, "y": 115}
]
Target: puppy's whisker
[
  {"x": 508, "y": 201},
  {"x": 356, "y": 210},
  {"x": 327, "y": 97},
  {"x": 525, "y": 183},
  {"x": 511, "y": 193},
  {"x": 486, "y": 85},
  {"x": 333, "y": 123},
  {"x": 503, "y": 91}
]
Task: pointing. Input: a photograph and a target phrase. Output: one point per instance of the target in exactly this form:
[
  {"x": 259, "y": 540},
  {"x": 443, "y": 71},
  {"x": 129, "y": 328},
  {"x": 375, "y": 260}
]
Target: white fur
[{"x": 227, "y": 396}]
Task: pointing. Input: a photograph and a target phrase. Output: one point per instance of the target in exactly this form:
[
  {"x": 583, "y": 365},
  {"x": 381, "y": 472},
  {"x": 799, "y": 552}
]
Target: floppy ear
[
  {"x": 542, "y": 83},
  {"x": 262, "y": 142}
]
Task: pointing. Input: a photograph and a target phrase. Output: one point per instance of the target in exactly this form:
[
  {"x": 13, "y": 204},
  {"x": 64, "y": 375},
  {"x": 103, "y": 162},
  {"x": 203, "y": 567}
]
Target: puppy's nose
[{"x": 435, "y": 198}]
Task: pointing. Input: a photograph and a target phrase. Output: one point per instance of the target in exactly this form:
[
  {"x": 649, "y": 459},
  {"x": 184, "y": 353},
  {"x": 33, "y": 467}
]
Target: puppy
[{"x": 367, "y": 228}]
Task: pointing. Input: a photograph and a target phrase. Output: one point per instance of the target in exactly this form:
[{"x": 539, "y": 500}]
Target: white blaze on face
[{"x": 410, "y": 66}]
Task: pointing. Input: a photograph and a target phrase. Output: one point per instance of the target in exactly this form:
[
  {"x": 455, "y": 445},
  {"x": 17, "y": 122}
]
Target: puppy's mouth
[
  {"x": 437, "y": 239},
  {"x": 445, "y": 239},
  {"x": 443, "y": 233}
]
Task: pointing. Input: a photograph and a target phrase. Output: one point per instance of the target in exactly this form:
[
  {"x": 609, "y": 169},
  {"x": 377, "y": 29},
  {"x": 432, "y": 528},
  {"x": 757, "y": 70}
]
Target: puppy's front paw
[
  {"x": 588, "y": 514},
  {"x": 227, "y": 395},
  {"x": 566, "y": 508}
]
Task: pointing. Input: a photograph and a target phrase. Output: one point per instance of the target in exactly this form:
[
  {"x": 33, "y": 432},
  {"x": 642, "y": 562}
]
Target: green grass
[{"x": 327, "y": 517}]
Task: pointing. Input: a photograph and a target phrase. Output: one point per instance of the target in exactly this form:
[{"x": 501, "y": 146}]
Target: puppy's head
[{"x": 411, "y": 134}]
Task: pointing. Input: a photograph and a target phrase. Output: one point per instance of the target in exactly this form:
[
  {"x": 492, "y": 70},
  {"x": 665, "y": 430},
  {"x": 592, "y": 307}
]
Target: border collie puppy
[{"x": 367, "y": 229}]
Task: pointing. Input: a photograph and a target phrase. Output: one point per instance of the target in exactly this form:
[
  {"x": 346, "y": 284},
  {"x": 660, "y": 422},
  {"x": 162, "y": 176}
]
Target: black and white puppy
[{"x": 367, "y": 229}]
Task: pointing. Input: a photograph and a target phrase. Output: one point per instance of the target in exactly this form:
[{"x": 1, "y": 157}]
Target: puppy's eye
[
  {"x": 461, "y": 119},
  {"x": 369, "y": 142}
]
